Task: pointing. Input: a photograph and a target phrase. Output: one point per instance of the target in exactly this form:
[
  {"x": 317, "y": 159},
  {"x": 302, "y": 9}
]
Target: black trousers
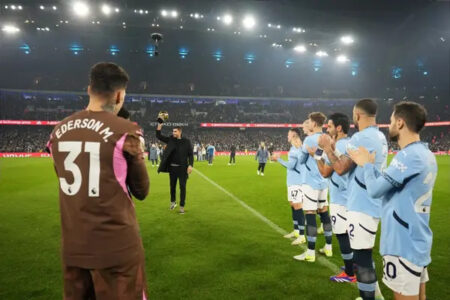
[
  {"x": 233, "y": 158},
  {"x": 261, "y": 167},
  {"x": 175, "y": 174}
]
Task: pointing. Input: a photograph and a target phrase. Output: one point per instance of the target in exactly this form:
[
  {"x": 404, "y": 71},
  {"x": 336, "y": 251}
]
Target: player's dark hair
[
  {"x": 368, "y": 106},
  {"x": 296, "y": 130},
  {"x": 414, "y": 115},
  {"x": 317, "y": 117},
  {"x": 340, "y": 119},
  {"x": 106, "y": 78},
  {"x": 178, "y": 128}
]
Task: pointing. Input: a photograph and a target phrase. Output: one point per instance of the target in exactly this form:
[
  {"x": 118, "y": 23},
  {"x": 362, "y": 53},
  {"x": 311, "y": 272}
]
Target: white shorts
[
  {"x": 402, "y": 276},
  {"x": 314, "y": 199},
  {"x": 338, "y": 218},
  {"x": 294, "y": 193},
  {"x": 362, "y": 230}
]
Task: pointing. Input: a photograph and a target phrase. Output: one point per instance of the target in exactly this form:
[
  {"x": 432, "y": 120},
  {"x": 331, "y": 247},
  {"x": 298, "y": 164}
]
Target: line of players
[{"x": 363, "y": 191}]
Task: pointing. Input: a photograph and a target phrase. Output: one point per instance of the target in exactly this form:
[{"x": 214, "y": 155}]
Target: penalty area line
[{"x": 323, "y": 261}]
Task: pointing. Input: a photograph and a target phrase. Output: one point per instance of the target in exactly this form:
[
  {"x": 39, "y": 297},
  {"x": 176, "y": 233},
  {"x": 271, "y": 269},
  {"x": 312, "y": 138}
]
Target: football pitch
[{"x": 228, "y": 245}]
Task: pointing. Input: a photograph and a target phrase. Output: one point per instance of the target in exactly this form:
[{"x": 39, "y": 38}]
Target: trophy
[{"x": 162, "y": 117}]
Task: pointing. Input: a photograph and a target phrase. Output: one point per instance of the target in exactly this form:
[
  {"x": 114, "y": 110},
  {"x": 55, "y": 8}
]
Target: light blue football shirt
[
  {"x": 407, "y": 188},
  {"x": 338, "y": 183},
  {"x": 312, "y": 176},
  {"x": 211, "y": 150},
  {"x": 293, "y": 167},
  {"x": 359, "y": 200}
]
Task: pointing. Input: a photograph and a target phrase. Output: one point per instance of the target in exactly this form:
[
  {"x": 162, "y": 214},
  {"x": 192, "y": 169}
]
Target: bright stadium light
[
  {"x": 106, "y": 9},
  {"x": 342, "y": 59},
  {"x": 321, "y": 53},
  {"x": 347, "y": 40},
  {"x": 227, "y": 19},
  {"x": 196, "y": 16},
  {"x": 248, "y": 22},
  {"x": 13, "y": 7},
  {"x": 10, "y": 29},
  {"x": 300, "y": 48},
  {"x": 81, "y": 9},
  {"x": 42, "y": 7},
  {"x": 54, "y": 7},
  {"x": 167, "y": 14}
]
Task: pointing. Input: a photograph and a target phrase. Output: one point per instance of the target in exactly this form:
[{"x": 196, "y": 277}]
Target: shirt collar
[{"x": 416, "y": 142}]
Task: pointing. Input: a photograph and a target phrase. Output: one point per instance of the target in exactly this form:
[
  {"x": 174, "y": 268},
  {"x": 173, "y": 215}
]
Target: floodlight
[
  {"x": 10, "y": 29},
  {"x": 81, "y": 9},
  {"x": 347, "y": 40},
  {"x": 227, "y": 19},
  {"x": 342, "y": 59},
  {"x": 321, "y": 53},
  {"x": 106, "y": 9},
  {"x": 300, "y": 48},
  {"x": 248, "y": 22}
]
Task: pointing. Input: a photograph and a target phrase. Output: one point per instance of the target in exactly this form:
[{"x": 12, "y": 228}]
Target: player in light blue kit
[
  {"x": 211, "y": 152},
  {"x": 364, "y": 211},
  {"x": 307, "y": 131},
  {"x": 338, "y": 127},
  {"x": 315, "y": 190},
  {"x": 294, "y": 181},
  {"x": 406, "y": 187}
]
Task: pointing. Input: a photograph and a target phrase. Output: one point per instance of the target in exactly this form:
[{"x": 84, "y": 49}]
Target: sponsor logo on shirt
[{"x": 399, "y": 165}]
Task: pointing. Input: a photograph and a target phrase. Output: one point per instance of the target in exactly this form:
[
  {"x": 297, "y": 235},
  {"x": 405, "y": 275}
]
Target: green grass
[{"x": 217, "y": 250}]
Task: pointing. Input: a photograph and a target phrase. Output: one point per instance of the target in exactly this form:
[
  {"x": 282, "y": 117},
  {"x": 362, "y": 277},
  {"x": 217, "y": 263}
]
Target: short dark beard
[{"x": 109, "y": 107}]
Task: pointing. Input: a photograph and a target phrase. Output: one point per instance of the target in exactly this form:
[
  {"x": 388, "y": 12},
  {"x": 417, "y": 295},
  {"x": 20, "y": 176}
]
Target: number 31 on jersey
[{"x": 74, "y": 149}]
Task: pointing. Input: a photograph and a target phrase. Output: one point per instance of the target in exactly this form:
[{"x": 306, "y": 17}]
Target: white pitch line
[{"x": 321, "y": 260}]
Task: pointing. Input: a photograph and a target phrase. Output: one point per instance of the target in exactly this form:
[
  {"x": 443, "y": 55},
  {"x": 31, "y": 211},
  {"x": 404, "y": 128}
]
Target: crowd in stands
[
  {"x": 194, "y": 110},
  {"x": 191, "y": 111},
  {"x": 34, "y": 138},
  {"x": 24, "y": 138}
]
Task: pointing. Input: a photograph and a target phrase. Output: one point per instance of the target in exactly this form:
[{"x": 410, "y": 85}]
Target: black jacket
[{"x": 184, "y": 151}]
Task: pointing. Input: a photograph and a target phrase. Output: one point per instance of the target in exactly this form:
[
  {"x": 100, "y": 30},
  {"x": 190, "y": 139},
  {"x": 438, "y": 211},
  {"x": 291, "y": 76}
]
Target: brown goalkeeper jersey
[{"x": 98, "y": 158}]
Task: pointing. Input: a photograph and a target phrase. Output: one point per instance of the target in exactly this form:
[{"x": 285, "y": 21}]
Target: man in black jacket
[
  {"x": 178, "y": 161},
  {"x": 232, "y": 155}
]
